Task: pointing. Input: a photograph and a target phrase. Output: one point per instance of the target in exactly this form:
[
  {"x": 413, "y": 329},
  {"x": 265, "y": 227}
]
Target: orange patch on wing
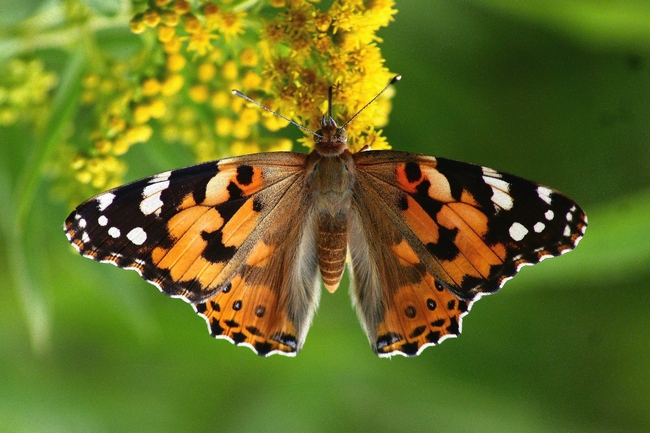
[
  {"x": 187, "y": 202},
  {"x": 420, "y": 314},
  {"x": 472, "y": 225},
  {"x": 255, "y": 184},
  {"x": 204, "y": 271},
  {"x": 405, "y": 253},
  {"x": 260, "y": 254},
  {"x": 402, "y": 179},
  {"x": 251, "y": 312},
  {"x": 183, "y": 221},
  {"x": 240, "y": 226},
  {"x": 189, "y": 243},
  {"x": 421, "y": 223}
]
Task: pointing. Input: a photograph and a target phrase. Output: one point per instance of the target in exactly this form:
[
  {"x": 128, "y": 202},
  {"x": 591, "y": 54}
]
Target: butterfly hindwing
[
  {"x": 209, "y": 234},
  {"x": 401, "y": 304},
  {"x": 457, "y": 229}
]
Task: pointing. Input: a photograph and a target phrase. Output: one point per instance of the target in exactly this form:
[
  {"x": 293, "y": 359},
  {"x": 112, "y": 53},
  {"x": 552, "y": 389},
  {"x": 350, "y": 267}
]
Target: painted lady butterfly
[{"x": 242, "y": 239}]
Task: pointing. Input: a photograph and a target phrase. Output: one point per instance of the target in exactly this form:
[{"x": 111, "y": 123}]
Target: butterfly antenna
[
  {"x": 329, "y": 102},
  {"x": 394, "y": 80},
  {"x": 241, "y": 95}
]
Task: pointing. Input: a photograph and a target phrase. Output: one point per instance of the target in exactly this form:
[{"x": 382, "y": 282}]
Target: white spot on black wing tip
[
  {"x": 137, "y": 236},
  {"x": 82, "y": 222},
  {"x": 500, "y": 189},
  {"x": 85, "y": 238},
  {"x": 517, "y": 231},
  {"x": 545, "y": 194},
  {"x": 539, "y": 227},
  {"x": 104, "y": 201},
  {"x": 102, "y": 220},
  {"x": 160, "y": 176},
  {"x": 114, "y": 232},
  {"x": 487, "y": 171},
  {"x": 151, "y": 202},
  {"x": 549, "y": 215}
]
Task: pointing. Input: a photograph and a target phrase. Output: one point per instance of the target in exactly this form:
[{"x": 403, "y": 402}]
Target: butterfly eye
[{"x": 341, "y": 135}]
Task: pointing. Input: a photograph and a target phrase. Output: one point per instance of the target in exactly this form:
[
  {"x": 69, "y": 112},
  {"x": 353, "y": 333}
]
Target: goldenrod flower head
[
  {"x": 221, "y": 99},
  {"x": 199, "y": 93},
  {"x": 192, "y": 24},
  {"x": 137, "y": 24},
  {"x": 172, "y": 85},
  {"x": 223, "y": 126},
  {"x": 157, "y": 108},
  {"x": 166, "y": 33},
  {"x": 151, "y": 18},
  {"x": 151, "y": 87},
  {"x": 230, "y": 71},
  {"x": 248, "y": 57},
  {"x": 284, "y": 54},
  {"x": 201, "y": 41},
  {"x": 206, "y": 72},
  {"x": 170, "y": 18},
  {"x": 176, "y": 62},
  {"x": 182, "y": 6}
]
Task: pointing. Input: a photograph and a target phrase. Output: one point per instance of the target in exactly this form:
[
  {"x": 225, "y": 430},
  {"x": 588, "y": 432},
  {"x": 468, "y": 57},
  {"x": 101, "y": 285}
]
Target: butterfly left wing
[
  {"x": 211, "y": 235},
  {"x": 457, "y": 230}
]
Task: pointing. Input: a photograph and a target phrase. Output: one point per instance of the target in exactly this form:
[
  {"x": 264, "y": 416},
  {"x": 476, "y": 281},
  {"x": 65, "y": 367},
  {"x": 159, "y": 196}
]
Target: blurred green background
[{"x": 558, "y": 92}]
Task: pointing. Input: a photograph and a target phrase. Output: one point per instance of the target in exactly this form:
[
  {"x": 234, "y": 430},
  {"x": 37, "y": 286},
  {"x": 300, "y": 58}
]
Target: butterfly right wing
[
  {"x": 216, "y": 236},
  {"x": 429, "y": 236}
]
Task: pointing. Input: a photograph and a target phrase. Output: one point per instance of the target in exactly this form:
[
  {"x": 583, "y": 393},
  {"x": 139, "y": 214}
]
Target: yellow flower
[
  {"x": 241, "y": 129},
  {"x": 192, "y": 24},
  {"x": 166, "y": 33},
  {"x": 251, "y": 80},
  {"x": 137, "y": 24},
  {"x": 221, "y": 99},
  {"x": 116, "y": 124},
  {"x": 176, "y": 62},
  {"x": 201, "y": 41},
  {"x": 150, "y": 87},
  {"x": 223, "y": 126},
  {"x": 230, "y": 71},
  {"x": 138, "y": 134},
  {"x": 243, "y": 148},
  {"x": 182, "y": 6},
  {"x": 151, "y": 18},
  {"x": 173, "y": 45},
  {"x": 141, "y": 114},
  {"x": 157, "y": 108},
  {"x": 280, "y": 145},
  {"x": 206, "y": 72},
  {"x": 248, "y": 57},
  {"x": 170, "y": 18},
  {"x": 172, "y": 84},
  {"x": 199, "y": 93},
  {"x": 232, "y": 24},
  {"x": 249, "y": 115}
]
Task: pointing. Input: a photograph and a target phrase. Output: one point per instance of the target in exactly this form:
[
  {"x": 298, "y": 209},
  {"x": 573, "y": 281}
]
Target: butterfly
[{"x": 244, "y": 239}]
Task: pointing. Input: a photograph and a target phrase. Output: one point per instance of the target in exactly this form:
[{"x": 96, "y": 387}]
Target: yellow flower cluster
[
  {"x": 307, "y": 50},
  {"x": 24, "y": 90},
  {"x": 196, "y": 52}
]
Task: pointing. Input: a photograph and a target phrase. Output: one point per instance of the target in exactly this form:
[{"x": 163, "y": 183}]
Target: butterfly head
[{"x": 330, "y": 140}]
